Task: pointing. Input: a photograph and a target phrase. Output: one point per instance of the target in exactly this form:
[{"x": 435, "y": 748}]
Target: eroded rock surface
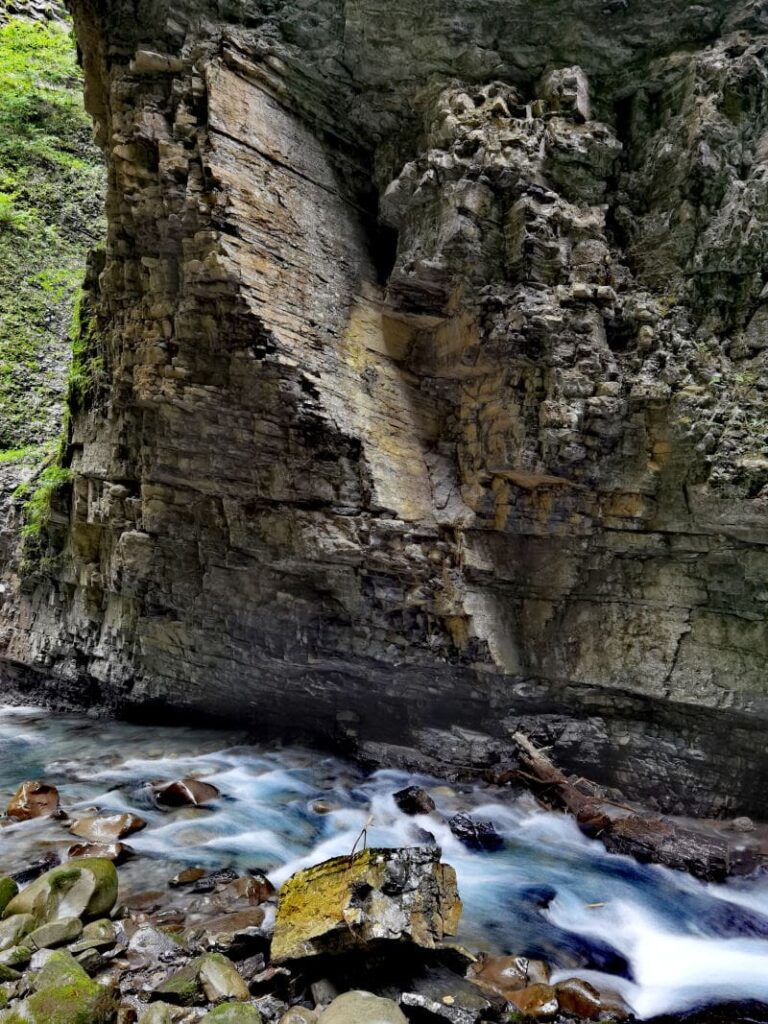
[{"x": 431, "y": 344}]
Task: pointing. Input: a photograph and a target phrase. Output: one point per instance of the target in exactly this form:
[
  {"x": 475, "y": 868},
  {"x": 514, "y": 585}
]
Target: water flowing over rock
[
  {"x": 426, "y": 379},
  {"x": 347, "y": 903}
]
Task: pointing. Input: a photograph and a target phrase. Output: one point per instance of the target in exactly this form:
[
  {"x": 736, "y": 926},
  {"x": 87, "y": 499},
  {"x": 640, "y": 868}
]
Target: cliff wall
[{"x": 424, "y": 385}]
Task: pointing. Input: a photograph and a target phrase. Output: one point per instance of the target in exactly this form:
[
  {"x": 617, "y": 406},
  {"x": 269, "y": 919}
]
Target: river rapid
[{"x": 666, "y": 942}]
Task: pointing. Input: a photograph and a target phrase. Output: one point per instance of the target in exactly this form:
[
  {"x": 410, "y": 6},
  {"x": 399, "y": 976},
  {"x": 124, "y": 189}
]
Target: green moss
[
  {"x": 38, "y": 508},
  {"x": 51, "y": 184}
]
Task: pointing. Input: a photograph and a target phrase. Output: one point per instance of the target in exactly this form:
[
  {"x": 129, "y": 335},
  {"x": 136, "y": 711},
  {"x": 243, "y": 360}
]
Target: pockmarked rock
[
  {"x": 360, "y": 1007},
  {"x": 397, "y": 895},
  {"x": 33, "y": 800},
  {"x": 83, "y": 888}
]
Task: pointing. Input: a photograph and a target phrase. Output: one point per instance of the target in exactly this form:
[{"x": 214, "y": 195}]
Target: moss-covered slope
[{"x": 51, "y": 184}]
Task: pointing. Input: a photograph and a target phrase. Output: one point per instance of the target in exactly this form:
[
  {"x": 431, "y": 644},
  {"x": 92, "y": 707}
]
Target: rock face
[{"x": 432, "y": 370}]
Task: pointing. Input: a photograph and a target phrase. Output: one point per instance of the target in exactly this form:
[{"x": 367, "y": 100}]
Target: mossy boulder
[
  {"x": 362, "y": 1008},
  {"x": 210, "y": 978},
  {"x": 8, "y": 889},
  {"x": 404, "y": 895},
  {"x": 86, "y": 887},
  {"x": 14, "y": 929},
  {"x": 64, "y": 994},
  {"x": 233, "y": 1013}
]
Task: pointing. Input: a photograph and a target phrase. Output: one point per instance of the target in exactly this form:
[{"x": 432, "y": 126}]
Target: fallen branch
[{"x": 647, "y": 838}]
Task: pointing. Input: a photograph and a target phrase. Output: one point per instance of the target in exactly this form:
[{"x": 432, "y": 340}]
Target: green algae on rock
[
  {"x": 403, "y": 895},
  {"x": 85, "y": 887}
]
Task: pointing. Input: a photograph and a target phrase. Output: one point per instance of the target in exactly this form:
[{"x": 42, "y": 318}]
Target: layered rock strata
[{"x": 430, "y": 393}]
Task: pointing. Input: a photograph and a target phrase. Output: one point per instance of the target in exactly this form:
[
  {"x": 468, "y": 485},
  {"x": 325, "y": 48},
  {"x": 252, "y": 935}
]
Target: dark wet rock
[
  {"x": 414, "y": 800},
  {"x": 106, "y": 828},
  {"x": 362, "y": 1008},
  {"x": 186, "y": 792},
  {"x": 404, "y": 895},
  {"x": 33, "y": 800},
  {"x": 502, "y": 774},
  {"x": 475, "y": 834},
  {"x": 442, "y": 995},
  {"x": 32, "y": 871},
  {"x": 56, "y": 933},
  {"x": 502, "y": 975},
  {"x": 80, "y": 888},
  {"x": 539, "y": 1002},
  {"x": 215, "y": 880},
  {"x": 322, "y": 806},
  {"x": 187, "y": 877},
  {"x": 578, "y": 998}
]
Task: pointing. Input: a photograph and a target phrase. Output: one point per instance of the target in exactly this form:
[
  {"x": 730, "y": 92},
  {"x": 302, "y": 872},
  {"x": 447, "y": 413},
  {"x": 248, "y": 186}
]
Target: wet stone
[
  {"x": 80, "y": 888},
  {"x": 414, "y": 800},
  {"x": 539, "y": 1002},
  {"x": 117, "y": 852},
  {"x": 578, "y": 998},
  {"x": 187, "y": 877},
  {"x": 474, "y": 833},
  {"x": 185, "y": 792},
  {"x": 33, "y": 800},
  {"x": 106, "y": 828}
]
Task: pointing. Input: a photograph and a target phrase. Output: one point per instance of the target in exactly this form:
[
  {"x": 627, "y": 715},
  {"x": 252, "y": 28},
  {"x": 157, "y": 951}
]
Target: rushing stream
[{"x": 665, "y": 941}]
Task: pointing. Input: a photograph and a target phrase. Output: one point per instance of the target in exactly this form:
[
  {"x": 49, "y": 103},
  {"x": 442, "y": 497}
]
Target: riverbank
[{"x": 664, "y": 942}]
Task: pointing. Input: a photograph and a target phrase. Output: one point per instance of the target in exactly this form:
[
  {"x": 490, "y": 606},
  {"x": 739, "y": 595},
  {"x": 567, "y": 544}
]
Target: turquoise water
[{"x": 665, "y": 941}]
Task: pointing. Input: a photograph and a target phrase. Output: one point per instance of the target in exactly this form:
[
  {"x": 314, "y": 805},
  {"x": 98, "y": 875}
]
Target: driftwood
[{"x": 705, "y": 854}]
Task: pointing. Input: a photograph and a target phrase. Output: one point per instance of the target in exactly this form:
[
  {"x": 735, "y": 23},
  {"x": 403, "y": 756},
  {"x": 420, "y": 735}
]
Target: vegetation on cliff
[{"x": 51, "y": 182}]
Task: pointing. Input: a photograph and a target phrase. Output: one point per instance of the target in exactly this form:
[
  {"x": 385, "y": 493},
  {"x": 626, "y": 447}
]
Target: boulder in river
[
  {"x": 80, "y": 888},
  {"x": 33, "y": 800},
  {"x": 362, "y": 1008},
  {"x": 475, "y": 834},
  {"x": 106, "y": 828},
  {"x": 118, "y": 852},
  {"x": 403, "y": 895},
  {"x": 185, "y": 793},
  {"x": 414, "y": 800}
]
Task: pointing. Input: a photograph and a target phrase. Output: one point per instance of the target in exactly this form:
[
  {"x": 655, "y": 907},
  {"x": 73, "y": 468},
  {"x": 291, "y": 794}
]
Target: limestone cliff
[{"x": 429, "y": 401}]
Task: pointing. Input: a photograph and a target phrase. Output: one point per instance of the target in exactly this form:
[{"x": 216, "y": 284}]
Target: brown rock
[
  {"x": 414, "y": 800},
  {"x": 187, "y": 877},
  {"x": 33, "y": 800},
  {"x": 186, "y": 793},
  {"x": 579, "y": 998},
  {"x": 503, "y": 975},
  {"x": 117, "y": 852},
  {"x": 539, "y": 1002},
  {"x": 107, "y": 828}
]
